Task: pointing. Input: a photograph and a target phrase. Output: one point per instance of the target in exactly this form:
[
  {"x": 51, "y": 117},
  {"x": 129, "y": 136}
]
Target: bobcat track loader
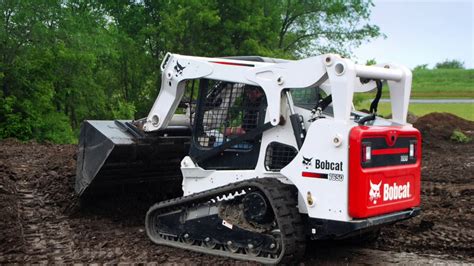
[{"x": 272, "y": 154}]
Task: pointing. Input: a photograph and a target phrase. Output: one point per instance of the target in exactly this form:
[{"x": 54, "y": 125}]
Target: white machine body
[{"x": 326, "y": 146}]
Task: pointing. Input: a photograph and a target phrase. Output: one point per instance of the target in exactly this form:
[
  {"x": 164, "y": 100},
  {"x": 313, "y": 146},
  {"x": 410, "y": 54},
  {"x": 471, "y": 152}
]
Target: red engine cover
[{"x": 390, "y": 180}]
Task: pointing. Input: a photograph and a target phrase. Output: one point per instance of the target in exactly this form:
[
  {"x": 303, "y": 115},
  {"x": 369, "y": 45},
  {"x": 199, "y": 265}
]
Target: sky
[{"x": 421, "y": 32}]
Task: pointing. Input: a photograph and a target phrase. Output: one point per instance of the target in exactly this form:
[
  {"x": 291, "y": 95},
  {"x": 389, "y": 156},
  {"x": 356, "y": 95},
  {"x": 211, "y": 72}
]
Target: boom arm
[{"x": 341, "y": 74}]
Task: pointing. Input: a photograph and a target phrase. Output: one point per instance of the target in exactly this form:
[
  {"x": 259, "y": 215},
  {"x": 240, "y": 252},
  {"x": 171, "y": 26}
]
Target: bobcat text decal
[
  {"x": 396, "y": 192},
  {"x": 390, "y": 191},
  {"x": 326, "y": 165}
]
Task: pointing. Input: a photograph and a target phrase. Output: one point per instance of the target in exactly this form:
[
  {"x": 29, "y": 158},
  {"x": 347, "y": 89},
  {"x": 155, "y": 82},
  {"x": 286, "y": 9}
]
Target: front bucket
[{"x": 114, "y": 156}]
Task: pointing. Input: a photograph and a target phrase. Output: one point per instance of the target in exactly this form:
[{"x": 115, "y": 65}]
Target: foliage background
[{"x": 63, "y": 61}]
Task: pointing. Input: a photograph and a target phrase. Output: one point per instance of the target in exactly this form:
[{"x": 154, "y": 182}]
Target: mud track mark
[{"x": 46, "y": 233}]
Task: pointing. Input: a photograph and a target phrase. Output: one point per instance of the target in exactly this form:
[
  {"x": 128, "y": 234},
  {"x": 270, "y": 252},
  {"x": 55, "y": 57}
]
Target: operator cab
[{"x": 225, "y": 114}]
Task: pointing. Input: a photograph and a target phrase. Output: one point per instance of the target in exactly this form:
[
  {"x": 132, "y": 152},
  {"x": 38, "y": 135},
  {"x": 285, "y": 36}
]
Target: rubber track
[{"x": 283, "y": 199}]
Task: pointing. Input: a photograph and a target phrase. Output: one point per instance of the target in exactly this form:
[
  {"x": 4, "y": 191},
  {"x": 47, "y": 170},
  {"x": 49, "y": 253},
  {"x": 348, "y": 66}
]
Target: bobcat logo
[
  {"x": 307, "y": 161},
  {"x": 374, "y": 192},
  {"x": 179, "y": 68}
]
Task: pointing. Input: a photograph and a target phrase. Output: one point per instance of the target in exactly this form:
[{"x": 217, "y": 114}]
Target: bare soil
[{"x": 41, "y": 220}]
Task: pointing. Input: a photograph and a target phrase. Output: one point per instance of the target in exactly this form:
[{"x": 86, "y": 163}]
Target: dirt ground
[{"x": 40, "y": 221}]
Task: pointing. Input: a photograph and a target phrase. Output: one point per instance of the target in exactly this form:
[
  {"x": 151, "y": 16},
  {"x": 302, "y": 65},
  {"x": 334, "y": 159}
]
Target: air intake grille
[{"x": 278, "y": 155}]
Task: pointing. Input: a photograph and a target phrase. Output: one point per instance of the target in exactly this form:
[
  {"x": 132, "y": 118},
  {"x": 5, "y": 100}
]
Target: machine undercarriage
[{"x": 254, "y": 219}]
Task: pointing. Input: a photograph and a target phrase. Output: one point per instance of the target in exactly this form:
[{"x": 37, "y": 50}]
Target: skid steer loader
[{"x": 272, "y": 154}]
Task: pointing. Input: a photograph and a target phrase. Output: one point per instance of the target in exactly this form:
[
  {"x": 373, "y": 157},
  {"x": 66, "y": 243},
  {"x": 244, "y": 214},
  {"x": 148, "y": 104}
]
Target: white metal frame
[
  {"x": 336, "y": 75},
  {"x": 341, "y": 73}
]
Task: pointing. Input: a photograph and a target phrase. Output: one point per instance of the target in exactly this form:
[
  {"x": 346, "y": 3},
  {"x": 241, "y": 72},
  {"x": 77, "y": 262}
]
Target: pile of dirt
[
  {"x": 57, "y": 175},
  {"x": 10, "y": 230},
  {"x": 26, "y": 168},
  {"x": 440, "y": 126},
  {"x": 47, "y": 167}
]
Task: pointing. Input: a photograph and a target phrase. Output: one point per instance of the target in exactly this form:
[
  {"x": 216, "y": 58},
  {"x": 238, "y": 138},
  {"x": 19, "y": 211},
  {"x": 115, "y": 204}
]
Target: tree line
[
  {"x": 446, "y": 64},
  {"x": 63, "y": 61}
]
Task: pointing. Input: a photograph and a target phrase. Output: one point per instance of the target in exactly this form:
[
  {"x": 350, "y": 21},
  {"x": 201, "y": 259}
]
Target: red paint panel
[
  {"x": 390, "y": 151},
  {"x": 380, "y": 190},
  {"x": 232, "y": 64},
  {"x": 310, "y": 174}
]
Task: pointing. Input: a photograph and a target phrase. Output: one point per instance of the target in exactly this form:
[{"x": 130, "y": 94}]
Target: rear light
[
  {"x": 412, "y": 149},
  {"x": 366, "y": 152}
]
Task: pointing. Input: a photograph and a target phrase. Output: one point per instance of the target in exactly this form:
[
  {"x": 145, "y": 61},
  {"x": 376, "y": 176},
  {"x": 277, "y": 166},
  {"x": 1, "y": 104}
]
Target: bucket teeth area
[{"x": 111, "y": 155}]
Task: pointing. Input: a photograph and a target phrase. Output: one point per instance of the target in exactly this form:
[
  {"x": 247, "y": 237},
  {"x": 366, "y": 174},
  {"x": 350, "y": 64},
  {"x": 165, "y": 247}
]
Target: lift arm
[{"x": 339, "y": 76}]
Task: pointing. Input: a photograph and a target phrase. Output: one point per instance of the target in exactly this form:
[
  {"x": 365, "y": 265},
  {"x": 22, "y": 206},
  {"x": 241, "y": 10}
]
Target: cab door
[{"x": 226, "y": 112}]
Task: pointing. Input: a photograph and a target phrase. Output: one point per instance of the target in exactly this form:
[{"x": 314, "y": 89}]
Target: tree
[
  {"x": 65, "y": 61},
  {"x": 27, "y": 97},
  {"x": 312, "y": 27},
  {"x": 284, "y": 28},
  {"x": 420, "y": 67},
  {"x": 371, "y": 62},
  {"x": 450, "y": 64}
]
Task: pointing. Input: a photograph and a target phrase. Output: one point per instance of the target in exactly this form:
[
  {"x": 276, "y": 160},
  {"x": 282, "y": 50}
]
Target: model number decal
[
  {"x": 336, "y": 177},
  {"x": 330, "y": 176}
]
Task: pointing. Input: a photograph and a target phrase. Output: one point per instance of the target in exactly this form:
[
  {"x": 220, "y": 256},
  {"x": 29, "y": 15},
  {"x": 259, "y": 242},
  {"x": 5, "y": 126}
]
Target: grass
[
  {"x": 439, "y": 83},
  {"x": 432, "y": 84},
  {"x": 464, "y": 110},
  {"x": 443, "y": 83},
  {"x": 460, "y": 137}
]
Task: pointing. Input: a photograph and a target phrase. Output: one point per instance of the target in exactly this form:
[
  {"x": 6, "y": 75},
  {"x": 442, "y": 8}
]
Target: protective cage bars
[{"x": 228, "y": 110}]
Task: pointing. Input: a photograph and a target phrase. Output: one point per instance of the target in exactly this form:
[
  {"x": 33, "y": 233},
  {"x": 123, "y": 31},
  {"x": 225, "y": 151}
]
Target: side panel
[
  {"x": 320, "y": 170},
  {"x": 389, "y": 180}
]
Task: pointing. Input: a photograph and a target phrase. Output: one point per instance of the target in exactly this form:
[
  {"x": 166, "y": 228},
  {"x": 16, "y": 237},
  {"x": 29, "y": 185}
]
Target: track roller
[{"x": 255, "y": 220}]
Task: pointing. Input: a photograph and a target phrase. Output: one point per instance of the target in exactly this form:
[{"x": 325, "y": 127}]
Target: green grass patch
[
  {"x": 438, "y": 83},
  {"x": 443, "y": 83},
  {"x": 460, "y": 137},
  {"x": 464, "y": 110}
]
